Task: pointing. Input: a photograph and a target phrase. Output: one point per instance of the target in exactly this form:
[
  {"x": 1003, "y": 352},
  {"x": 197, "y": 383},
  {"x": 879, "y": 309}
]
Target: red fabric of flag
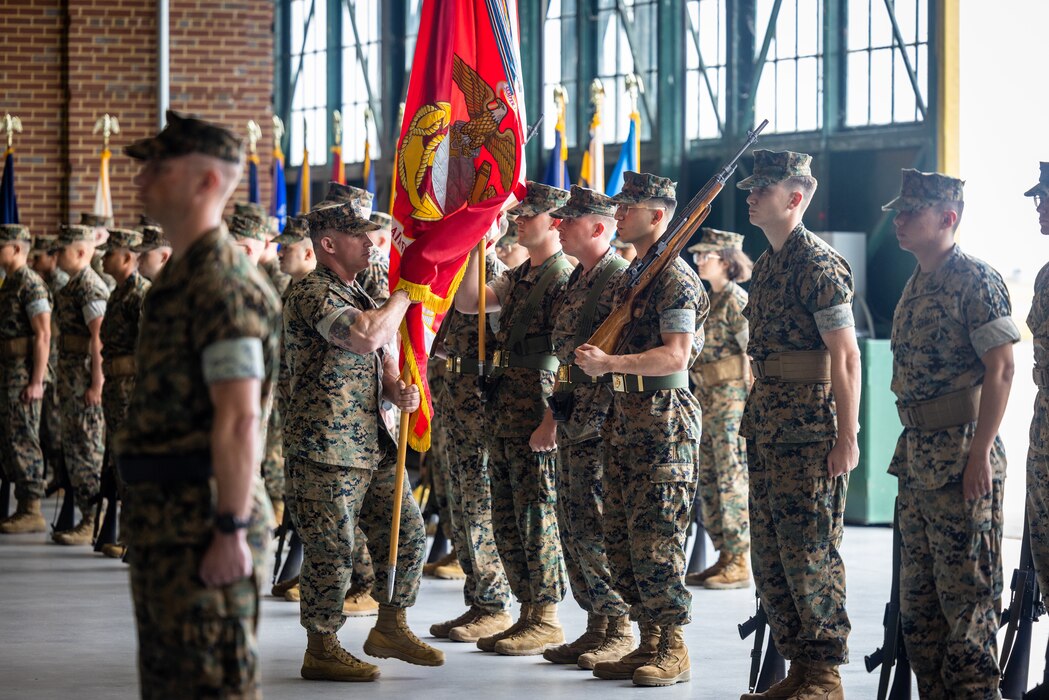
[{"x": 460, "y": 161}]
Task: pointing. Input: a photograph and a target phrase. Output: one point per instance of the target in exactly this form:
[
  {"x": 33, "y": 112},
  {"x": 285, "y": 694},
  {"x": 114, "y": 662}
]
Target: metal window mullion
[
  {"x": 639, "y": 61},
  {"x": 333, "y": 94},
  {"x": 703, "y": 71},
  {"x": 376, "y": 108},
  {"x": 898, "y": 40},
  {"x": 759, "y": 62},
  {"x": 302, "y": 51}
]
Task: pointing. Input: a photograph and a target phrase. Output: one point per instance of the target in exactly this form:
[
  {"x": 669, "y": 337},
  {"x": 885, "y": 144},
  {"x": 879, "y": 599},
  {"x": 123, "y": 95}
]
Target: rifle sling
[{"x": 586, "y": 315}]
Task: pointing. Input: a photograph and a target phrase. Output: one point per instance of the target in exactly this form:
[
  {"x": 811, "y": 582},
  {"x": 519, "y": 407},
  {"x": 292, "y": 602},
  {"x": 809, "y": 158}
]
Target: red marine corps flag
[{"x": 460, "y": 162}]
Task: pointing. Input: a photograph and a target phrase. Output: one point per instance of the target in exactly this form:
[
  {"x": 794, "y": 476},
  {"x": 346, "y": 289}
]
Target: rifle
[
  {"x": 611, "y": 334},
  {"x": 773, "y": 668},
  {"x": 294, "y": 560},
  {"x": 892, "y": 651},
  {"x": 698, "y": 561},
  {"x": 5, "y": 498},
  {"x": 1025, "y": 607},
  {"x": 1040, "y": 691},
  {"x": 106, "y": 528}
]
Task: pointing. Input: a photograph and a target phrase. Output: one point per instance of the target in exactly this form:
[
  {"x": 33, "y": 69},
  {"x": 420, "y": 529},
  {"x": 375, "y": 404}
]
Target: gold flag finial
[
  {"x": 336, "y": 128},
  {"x": 254, "y": 134},
  {"x": 108, "y": 126},
  {"x": 10, "y": 125},
  {"x": 597, "y": 94},
  {"x": 560, "y": 98},
  {"x": 368, "y": 117},
  {"x": 634, "y": 88},
  {"x": 278, "y": 131}
]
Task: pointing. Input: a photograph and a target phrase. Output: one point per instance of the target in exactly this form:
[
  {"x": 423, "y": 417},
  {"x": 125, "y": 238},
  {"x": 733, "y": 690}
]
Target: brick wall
[{"x": 64, "y": 63}]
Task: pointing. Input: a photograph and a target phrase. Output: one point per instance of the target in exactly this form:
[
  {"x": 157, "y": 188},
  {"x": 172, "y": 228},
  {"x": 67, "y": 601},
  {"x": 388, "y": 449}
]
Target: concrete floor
[{"x": 66, "y": 622}]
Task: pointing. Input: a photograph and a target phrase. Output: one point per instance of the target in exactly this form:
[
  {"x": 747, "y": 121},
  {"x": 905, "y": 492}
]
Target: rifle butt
[
  {"x": 109, "y": 530},
  {"x": 67, "y": 513},
  {"x": 293, "y": 562},
  {"x": 1015, "y": 673},
  {"x": 5, "y": 498},
  {"x": 773, "y": 668}
]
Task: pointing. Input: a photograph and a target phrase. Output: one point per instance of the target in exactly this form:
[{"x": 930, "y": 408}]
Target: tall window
[
  {"x": 560, "y": 58},
  {"x": 879, "y": 85},
  {"x": 627, "y": 45},
  {"x": 705, "y": 63},
  {"x": 413, "y": 13},
  {"x": 360, "y": 58},
  {"x": 790, "y": 92},
  {"x": 309, "y": 75}
]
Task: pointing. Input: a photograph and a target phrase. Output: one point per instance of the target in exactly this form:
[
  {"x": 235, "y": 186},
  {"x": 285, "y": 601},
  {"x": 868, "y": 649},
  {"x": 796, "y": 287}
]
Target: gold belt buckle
[
  {"x": 640, "y": 383},
  {"x": 564, "y": 373},
  {"x": 618, "y": 382},
  {"x": 449, "y": 364},
  {"x": 497, "y": 358}
]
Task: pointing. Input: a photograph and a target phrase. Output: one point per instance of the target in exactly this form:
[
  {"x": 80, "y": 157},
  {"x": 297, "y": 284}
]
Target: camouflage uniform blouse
[
  {"x": 209, "y": 316},
  {"x": 797, "y": 294},
  {"x": 945, "y": 322},
  {"x": 677, "y": 304},
  {"x": 726, "y": 331},
  {"x": 278, "y": 279},
  {"x": 1038, "y": 322},
  {"x": 22, "y": 296},
  {"x": 591, "y": 401},
  {"x": 460, "y": 340},
  {"x": 375, "y": 279},
  {"x": 332, "y": 414},
  {"x": 120, "y": 326},
  {"x": 80, "y": 301},
  {"x": 518, "y": 405}
]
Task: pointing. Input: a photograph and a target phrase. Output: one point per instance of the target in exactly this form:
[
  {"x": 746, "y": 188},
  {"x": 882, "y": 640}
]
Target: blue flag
[
  {"x": 279, "y": 200},
  {"x": 557, "y": 166},
  {"x": 8, "y": 201},
  {"x": 253, "y": 179},
  {"x": 627, "y": 161}
]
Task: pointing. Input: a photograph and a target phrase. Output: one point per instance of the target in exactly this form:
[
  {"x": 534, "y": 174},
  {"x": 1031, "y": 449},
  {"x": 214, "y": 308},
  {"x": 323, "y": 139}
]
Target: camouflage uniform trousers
[
  {"x": 116, "y": 397},
  {"x": 524, "y": 517},
  {"x": 649, "y": 493},
  {"x": 22, "y": 456},
  {"x": 950, "y": 585},
  {"x": 273, "y": 458},
  {"x": 580, "y": 505},
  {"x": 194, "y": 641},
  {"x": 469, "y": 490},
  {"x": 438, "y": 463},
  {"x": 797, "y": 521},
  {"x": 51, "y": 427},
  {"x": 329, "y": 502},
  {"x": 83, "y": 430},
  {"x": 723, "y": 484},
  {"x": 1038, "y": 514}
]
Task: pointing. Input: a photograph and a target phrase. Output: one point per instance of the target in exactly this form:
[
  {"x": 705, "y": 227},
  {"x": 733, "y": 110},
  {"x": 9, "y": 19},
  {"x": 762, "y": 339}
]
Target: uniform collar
[{"x": 922, "y": 283}]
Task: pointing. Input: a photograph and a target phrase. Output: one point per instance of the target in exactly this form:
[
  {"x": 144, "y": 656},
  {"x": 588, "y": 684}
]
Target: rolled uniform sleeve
[
  {"x": 93, "y": 309},
  {"x": 236, "y": 358},
  {"x": 987, "y": 313},
  {"x": 230, "y": 337},
  {"x": 37, "y": 307}
]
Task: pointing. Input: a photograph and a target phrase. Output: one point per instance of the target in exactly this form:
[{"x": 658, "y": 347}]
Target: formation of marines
[{"x": 230, "y": 386}]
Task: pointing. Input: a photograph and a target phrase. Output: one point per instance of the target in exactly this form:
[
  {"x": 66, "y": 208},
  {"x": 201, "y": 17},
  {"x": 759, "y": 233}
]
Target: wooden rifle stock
[{"x": 612, "y": 333}]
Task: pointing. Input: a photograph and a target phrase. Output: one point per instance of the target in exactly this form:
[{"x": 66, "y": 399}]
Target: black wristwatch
[{"x": 227, "y": 523}]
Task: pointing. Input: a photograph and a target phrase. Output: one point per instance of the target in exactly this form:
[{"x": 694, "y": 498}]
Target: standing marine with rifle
[
  {"x": 652, "y": 431},
  {"x": 801, "y": 422},
  {"x": 952, "y": 337},
  {"x": 340, "y": 459},
  {"x": 522, "y": 432},
  {"x": 580, "y": 405}
]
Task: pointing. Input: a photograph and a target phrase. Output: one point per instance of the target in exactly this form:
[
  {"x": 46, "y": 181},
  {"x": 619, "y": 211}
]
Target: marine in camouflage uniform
[
  {"x": 951, "y": 335},
  {"x": 79, "y": 309},
  {"x": 457, "y": 401},
  {"x": 1038, "y": 450},
  {"x": 99, "y": 226},
  {"x": 340, "y": 458},
  {"x": 44, "y": 263},
  {"x": 524, "y": 494},
  {"x": 721, "y": 385},
  {"x": 209, "y": 321},
  {"x": 581, "y": 405},
  {"x": 652, "y": 438},
  {"x": 376, "y": 277},
  {"x": 25, "y": 328},
  {"x": 119, "y": 334},
  {"x": 800, "y": 305}
]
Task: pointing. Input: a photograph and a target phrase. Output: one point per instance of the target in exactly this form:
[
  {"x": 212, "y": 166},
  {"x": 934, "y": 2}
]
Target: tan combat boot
[
  {"x": 114, "y": 550},
  {"x": 590, "y": 639},
  {"x": 822, "y": 682},
  {"x": 622, "y": 669},
  {"x": 26, "y": 519},
  {"x": 326, "y": 660},
  {"x": 736, "y": 574},
  {"x": 294, "y": 594},
  {"x": 392, "y": 638},
  {"x": 281, "y": 587},
  {"x": 441, "y": 629},
  {"x": 431, "y": 567},
  {"x": 670, "y": 664},
  {"x": 450, "y": 572},
  {"x": 81, "y": 534},
  {"x": 785, "y": 688},
  {"x": 359, "y": 603},
  {"x": 542, "y": 632},
  {"x": 485, "y": 624},
  {"x": 618, "y": 641},
  {"x": 488, "y": 643},
  {"x": 697, "y": 579}
]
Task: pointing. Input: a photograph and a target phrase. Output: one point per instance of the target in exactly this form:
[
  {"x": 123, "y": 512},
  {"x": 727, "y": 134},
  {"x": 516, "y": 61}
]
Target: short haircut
[
  {"x": 668, "y": 203},
  {"x": 806, "y": 184},
  {"x": 955, "y": 206}
]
